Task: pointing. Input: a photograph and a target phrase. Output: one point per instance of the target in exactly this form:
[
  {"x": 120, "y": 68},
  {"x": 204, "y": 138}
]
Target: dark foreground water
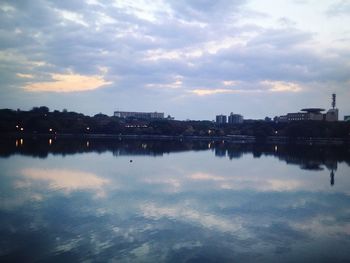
[{"x": 133, "y": 201}]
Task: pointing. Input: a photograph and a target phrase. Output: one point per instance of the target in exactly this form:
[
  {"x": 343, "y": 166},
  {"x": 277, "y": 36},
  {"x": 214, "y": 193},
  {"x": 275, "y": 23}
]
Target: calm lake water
[{"x": 144, "y": 201}]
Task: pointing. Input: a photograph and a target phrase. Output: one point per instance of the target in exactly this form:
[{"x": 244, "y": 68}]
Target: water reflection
[
  {"x": 309, "y": 157},
  {"x": 192, "y": 216},
  {"x": 83, "y": 200},
  {"x": 63, "y": 179},
  {"x": 19, "y": 142},
  {"x": 315, "y": 158},
  {"x": 332, "y": 177}
]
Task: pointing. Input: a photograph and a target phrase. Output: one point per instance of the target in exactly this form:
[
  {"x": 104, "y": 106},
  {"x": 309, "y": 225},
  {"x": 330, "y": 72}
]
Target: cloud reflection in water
[
  {"x": 183, "y": 207},
  {"x": 65, "y": 180},
  {"x": 190, "y": 215}
]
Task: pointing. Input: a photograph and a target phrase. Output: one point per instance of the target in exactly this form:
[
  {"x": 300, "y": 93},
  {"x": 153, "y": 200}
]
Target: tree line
[{"x": 40, "y": 120}]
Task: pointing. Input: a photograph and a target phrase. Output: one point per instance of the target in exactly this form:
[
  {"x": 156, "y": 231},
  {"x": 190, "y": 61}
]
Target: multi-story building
[
  {"x": 282, "y": 118},
  {"x": 312, "y": 114},
  {"x": 309, "y": 114},
  {"x": 331, "y": 115},
  {"x": 235, "y": 118},
  {"x": 298, "y": 116},
  {"x": 221, "y": 119},
  {"x": 139, "y": 115}
]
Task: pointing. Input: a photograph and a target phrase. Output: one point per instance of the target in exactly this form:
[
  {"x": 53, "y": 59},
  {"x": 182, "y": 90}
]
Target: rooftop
[{"x": 313, "y": 110}]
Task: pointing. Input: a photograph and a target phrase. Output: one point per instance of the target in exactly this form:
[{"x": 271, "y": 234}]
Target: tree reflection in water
[{"x": 306, "y": 156}]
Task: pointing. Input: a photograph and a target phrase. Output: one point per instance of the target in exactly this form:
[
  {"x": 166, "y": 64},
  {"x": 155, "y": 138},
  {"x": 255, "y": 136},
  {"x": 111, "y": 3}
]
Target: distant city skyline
[{"x": 191, "y": 59}]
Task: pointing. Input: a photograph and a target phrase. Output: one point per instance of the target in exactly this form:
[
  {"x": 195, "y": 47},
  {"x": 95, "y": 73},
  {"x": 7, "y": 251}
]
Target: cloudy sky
[{"x": 188, "y": 58}]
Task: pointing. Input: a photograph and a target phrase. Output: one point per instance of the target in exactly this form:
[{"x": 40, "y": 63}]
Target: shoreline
[{"x": 239, "y": 139}]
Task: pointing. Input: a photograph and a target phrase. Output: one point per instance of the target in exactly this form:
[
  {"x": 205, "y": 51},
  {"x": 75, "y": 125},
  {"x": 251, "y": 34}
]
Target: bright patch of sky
[
  {"x": 309, "y": 15},
  {"x": 147, "y": 10}
]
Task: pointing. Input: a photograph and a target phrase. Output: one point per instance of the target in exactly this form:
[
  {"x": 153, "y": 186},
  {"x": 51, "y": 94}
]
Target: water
[{"x": 134, "y": 201}]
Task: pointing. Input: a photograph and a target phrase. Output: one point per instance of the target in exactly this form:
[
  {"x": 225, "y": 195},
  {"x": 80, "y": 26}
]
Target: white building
[{"x": 139, "y": 115}]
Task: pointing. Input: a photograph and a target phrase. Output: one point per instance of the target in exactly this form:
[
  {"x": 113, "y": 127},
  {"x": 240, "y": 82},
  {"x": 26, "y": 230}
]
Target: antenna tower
[{"x": 333, "y": 100}]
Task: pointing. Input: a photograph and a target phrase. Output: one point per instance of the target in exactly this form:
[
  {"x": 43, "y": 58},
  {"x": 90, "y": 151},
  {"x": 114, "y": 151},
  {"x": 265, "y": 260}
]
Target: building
[
  {"x": 312, "y": 114},
  {"x": 332, "y": 115},
  {"x": 139, "y": 115},
  {"x": 309, "y": 114},
  {"x": 298, "y": 116},
  {"x": 282, "y": 118},
  {"x": 347, "y": 118},
  {"x": 235, "y": 118},
  {"x": 221, "y": 119}
]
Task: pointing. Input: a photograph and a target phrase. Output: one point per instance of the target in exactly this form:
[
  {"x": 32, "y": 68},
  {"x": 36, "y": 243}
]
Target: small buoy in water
[{"x": 131, "y": 161}]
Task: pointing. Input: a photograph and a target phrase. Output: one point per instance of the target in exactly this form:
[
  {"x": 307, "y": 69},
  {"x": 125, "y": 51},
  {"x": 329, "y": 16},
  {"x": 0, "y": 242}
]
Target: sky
[{"x": 192, "y": 59}]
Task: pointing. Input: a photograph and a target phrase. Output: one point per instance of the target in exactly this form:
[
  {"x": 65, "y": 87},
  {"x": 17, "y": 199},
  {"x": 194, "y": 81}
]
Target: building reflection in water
[
  {"x": 332, "y": 165},
  {"x": 332, "y": 178}
]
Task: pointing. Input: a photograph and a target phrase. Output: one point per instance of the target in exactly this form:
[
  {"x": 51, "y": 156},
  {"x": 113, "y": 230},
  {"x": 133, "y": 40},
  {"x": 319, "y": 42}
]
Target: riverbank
[{"x": 226, "y": 138}]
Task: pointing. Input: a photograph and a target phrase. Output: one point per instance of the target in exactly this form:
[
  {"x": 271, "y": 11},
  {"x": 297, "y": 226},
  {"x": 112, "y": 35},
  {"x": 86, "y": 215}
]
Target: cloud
[
  {"x": 281, "y": 86},
  {"x": 6, "y": 8},
  {"x": 73, "y": 17},
  {"x": 339, "y": 8},
  {"x": 68, "y": 83},
  {"x": 260, "y": 87},
  {"x": 206, "y": 92},
  {"x": 211, "y": 45},
  {"x": 206, "y": 10},
  {"x": 176, "y": 84},
  {"x": 230, "y": 82},
  {"x": 25, "y": 76},
  {"x": 281, "y": 38}
]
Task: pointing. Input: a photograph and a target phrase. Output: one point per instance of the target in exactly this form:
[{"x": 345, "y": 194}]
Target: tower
[{"x": 332, "y": 114}]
